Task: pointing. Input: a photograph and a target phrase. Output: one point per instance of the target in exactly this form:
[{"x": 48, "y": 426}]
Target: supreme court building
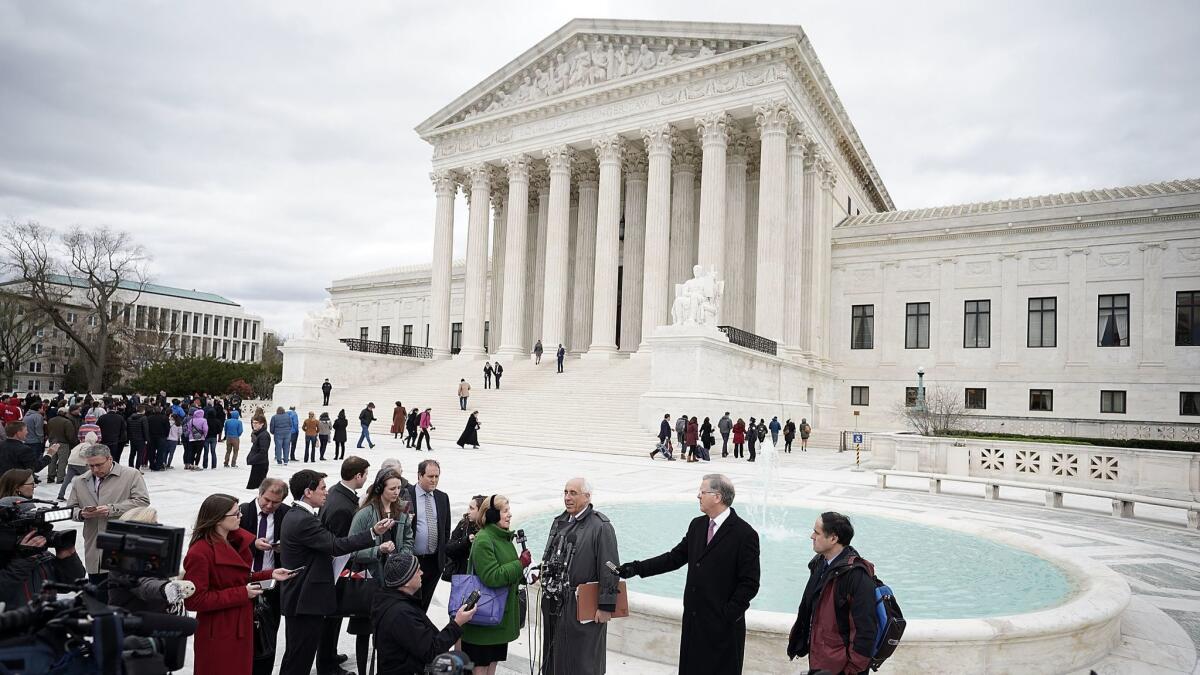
[{"x": 603, "y": 163}]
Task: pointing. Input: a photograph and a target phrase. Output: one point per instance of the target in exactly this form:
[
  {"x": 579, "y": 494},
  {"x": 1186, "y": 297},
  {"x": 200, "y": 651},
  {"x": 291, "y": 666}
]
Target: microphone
[
  {"x": 521, "y": 540},
  {"x": 611, "y": 567}
]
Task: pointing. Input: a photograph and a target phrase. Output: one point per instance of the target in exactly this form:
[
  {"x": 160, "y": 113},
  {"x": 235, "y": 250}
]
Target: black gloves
[{"x": 629, "y": 569}]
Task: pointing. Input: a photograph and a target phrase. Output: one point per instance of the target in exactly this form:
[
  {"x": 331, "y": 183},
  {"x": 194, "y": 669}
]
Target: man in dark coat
[
  {"x": 15, "y": 453},
  {"x": 262, "y": 517},
  {"x": 721, "y": 552},
  {"x": 309, "y": 596},
  {"x": 336, "y": 516},
  {"x": 326, "y": 388},
  {"x": 114, "y": 432},
  {"x": 571, "y": 647},
  {"x": 406, "y": 638},
  {"x": 431, "y": 525}
]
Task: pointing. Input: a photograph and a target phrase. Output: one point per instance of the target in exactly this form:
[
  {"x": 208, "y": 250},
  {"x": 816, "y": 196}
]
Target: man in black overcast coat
[
  {"x": 336, "y": 516},
  {"x": 722, "y": 579}
]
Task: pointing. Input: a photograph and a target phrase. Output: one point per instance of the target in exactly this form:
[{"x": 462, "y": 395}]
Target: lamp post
[{"x": 921, "y": 389}]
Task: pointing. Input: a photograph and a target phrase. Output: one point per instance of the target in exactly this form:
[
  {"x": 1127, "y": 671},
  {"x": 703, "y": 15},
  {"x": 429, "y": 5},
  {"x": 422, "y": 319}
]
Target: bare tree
[
  {"x": 943, "y": 411},
  {"x": 19, "y": 327},
  {"x": 86, "y": 267}
]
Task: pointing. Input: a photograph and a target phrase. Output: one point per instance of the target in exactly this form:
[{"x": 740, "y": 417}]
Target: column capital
[
  {"x": 773, "y": 117},
  {"x": 517, "y": 168},
  {"x": 445, "y": 182},
  {"x": 685, "y": 156},
  {"x": 713, "y": 127},
  {"x": 828, "y": 173},
  {"x": 659, "y": 138},
  {"x": 610, "y": 148},
  {"x": 1083, "y": 251},
  {"x": 586, "y": 171},
  {"x": 480, "y": 176},
  {"x": 559, "y": 158},
  {"x": 499, "y": 199},
  {"x": 753, "y": 158},
  {"x": 635, "y": 164},
  {"x": 739, "y": 146},
  {"x": 538, "y": 182}
]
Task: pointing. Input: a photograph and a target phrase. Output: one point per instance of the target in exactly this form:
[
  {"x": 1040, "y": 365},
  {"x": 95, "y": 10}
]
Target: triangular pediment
[{"x": 592, "y": 53}]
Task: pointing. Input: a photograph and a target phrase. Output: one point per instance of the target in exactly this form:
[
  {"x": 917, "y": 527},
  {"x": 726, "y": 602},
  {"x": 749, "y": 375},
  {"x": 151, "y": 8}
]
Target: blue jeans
[
  {"x": 462, "y": 402},
  {"x": 282, "y": 448},
  {"x": 365, "y": 435},
  {"x": 210, "y": 449},
  {"x": 164, "y": 451}
]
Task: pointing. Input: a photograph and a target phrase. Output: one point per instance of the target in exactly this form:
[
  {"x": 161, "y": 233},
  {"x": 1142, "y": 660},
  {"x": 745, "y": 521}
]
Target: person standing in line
[
  {"x": 114, "y": 432},
  {"x": 174, "y": 435},
  {"x": 139, "y": 437},
  {"x": 789, "y": 434},
  {"x": 470, "y": 435},
  {"x": 324, "y": 430},
  {"x": 725, "y": 426},
  {"x": 364, "y": 419},
  {"x": 691, "y": 438},
  {"x": 160, "y": 429},
  {"x": 410, "y": 426},
  {"x": 399, "y": 414},
  {"x": 257, "y": 458},
  {"x": 560, "y": 355},
  {"x": 326, "y": 389},
  {"x": 760, "y": 436},
  {"x": 262, "y": 518},
  {"x": 805, "y": 432},
  {"x": 215, "y": 416},
  {"x": 751, "y": 437},
  {"x": 76, "y": 464},
  {"x": 281, "y": 430},
  {"x": 62, "y": 430},
  {"x": 537, "y": 352},
  {"x": 681, "y": 432},
  {"x": 107, "y": 491},
  {"x": 706, "y": 439},
  {"x": 487, "y": 375},
  {"x": 497, "y": 370},
  {"x": 721, "y": 552},
  {"x": 311, "y": 429},
  {"x": 836, "y": 624},
  {"x": 496, "y": 562},
  {"x": 35, "y": 428},
  {"x": 233, "y": 438},
  {"x": 425, "y": 423},
  {"x": 464, "y": 391},
  {"x": 664, "y": 438},
  {"x": 339, "y": 434},
  {"x": 431, "y": 526},
  {"x": 294, "y": 421},
  {"x": 194, "y": 431},
  {"x": 336, "y": 516},
  {"x": 739, "y": 438},
  {"x": 774, "y": 428}
]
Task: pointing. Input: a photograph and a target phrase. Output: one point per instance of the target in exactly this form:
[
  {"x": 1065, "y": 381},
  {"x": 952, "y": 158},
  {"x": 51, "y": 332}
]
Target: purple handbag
[{"x": 491, "y": 604}]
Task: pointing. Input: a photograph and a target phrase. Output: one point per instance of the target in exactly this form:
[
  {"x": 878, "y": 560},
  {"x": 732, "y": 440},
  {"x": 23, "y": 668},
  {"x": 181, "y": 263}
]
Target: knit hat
[{"x": 399, "y": 569}]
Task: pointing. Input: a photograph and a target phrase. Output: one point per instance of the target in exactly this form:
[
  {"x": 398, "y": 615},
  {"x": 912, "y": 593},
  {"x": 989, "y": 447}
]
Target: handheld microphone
[
  {"x": 611, "y": 567},
  {"x": 521, "y": 540}
]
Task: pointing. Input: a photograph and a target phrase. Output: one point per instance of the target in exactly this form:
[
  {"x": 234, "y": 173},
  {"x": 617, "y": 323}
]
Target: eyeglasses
[
  {"x": 29, "y": 484},
  {"x": 709, "y": 492},
  {"x": 235, "y": 514}
]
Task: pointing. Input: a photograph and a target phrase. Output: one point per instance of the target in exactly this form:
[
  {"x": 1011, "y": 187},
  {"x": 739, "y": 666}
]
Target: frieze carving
[
  {"x": 1189, "y": 253},
  {"x": 1048, "y": 264},
  {"x": 1114, "y": 259},
  {"x": 979, "y": 268},
  {"x": 589, "y": 60}
]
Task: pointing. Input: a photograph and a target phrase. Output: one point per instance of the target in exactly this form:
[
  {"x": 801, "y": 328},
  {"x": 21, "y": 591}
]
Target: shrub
[{"x": 241, "y": 388}]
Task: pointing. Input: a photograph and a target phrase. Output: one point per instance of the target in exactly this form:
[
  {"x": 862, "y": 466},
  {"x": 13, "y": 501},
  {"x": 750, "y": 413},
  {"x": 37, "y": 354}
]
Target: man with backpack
[{"x": 837, "y": 622}]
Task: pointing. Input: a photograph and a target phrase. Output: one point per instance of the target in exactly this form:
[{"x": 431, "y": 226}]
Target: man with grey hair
[
  {"x": 572, "y": 646},
  {"x": 106, "y": 491},
  {"x": 393, "y": 463},
  {"x": 722, "y": 555}
]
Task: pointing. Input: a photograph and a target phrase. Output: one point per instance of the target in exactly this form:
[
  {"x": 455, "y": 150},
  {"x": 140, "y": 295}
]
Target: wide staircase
[{"x": 591, "y": 407}]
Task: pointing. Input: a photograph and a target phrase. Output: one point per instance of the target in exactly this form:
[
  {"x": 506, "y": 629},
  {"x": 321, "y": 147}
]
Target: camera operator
[
  {"x": 571, "y": 646},
  {"x": 26, "y": 562},
  {"x": 407, "y": 640}
]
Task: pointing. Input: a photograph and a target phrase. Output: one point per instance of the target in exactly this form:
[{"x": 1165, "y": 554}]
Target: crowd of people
[{"x": 696, "y": 439}]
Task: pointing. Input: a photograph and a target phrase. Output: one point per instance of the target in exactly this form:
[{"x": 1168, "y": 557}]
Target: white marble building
[{"x": 606, "y": 160}]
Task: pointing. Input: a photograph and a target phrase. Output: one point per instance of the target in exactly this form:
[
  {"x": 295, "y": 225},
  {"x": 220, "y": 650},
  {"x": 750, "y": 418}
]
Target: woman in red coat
[
  {"x": 739, "y": 438},
  {"x": 691, "y": 436},
  {"x": 218, "y": 563}
]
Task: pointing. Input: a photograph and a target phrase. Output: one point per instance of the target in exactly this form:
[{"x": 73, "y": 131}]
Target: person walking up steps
[
  {"x": 365, "y": 418},
  {"x": 537, "y": 353},
  {"x": 498, "y": 370},
  {"x": 399, "y": 415},
  {"x": 464, "y": 391},
  {"x": 426, "y": 425},
  {"x": 410, "y": 425},
  {"x": 487, "y": 375}
]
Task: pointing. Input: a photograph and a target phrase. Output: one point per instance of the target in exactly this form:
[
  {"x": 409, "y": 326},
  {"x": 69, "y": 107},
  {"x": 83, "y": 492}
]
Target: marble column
[
  {"x": 773, "y": 120},
  {"x": 795, "y": 262},
  {"x": 948, "y": 340},
  {"x": 444, "y": 186},
  {"x": 539, "y": 265},
  {"x": 713, "y": 130},
  {"x": 475, "y": 291},
  {"x": 683, "y": 215},
  {"x": 808, "y": 250},
  {"x": 571, "y": 245},
  {"x": 610, "y": 151},
  {"x": 1079, "y": 342},
  {"x": 558, "y": 222},
  {"x": 1150, "y": 343},
  {"x": 585, "y": 258},
  {"x": 750, "y": 284},
  {"x": 1013, "y": 314},
  {"x": 889, "y": 318},
  {"x": 531, "y": 247},
  {"x": 735, "y": 231},
  {"x": 659, "y": 141},
  {"x": 516, "y": 250},
  {"x": 496, "y": 283},
  {"x": 824, "y": 271},
  {"x": 635, "y": 249}
]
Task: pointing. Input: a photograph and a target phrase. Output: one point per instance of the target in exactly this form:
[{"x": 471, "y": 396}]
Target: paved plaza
[{"x": 1158, "y": 557}]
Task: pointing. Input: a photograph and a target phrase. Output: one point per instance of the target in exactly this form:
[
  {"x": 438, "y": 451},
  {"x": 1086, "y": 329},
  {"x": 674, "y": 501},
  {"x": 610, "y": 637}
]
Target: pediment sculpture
[{"x": 698, "y": 300}]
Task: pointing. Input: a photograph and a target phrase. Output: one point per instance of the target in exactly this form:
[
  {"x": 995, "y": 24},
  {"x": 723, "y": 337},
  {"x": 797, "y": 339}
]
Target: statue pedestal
[{"x": 307, "y": 362}]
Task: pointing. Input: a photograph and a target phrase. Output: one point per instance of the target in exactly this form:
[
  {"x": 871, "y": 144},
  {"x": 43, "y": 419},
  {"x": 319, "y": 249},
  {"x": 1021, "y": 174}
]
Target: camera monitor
[{"x": 141, "y": 549}]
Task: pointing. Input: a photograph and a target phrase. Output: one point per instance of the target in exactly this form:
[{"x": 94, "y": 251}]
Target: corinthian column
[
  {"x": 585, "y": 259},
  {"x": 794, "y": 259},
  {"x": 515, "y": 249},
  {"x": 635, "y": 249},
  {"x": 542, "y": 185},
  {"x": 773, "y": 119},
  {"x": 558, "y": 221},
  {"x": 824, "y": 271},
  {"x": 683, "y": 214},
  {"x": 750, "y": 287},
  {"x": 808, "y": 250},
  {"x": 659, "y": 140},
  {"x": 610, "y": 150},
  {"x": 735, "y": 231},
  {"x": 713, "y": 130},
  {"x": 444, "y": 187},
  {"x": 496, "y": 283}
]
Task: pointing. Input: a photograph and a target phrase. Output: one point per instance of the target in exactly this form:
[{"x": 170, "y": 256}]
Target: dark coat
[
  {"x": 215, "y": 417},
  {"x": 836, "y": 623},
  {"x": 260, "y": 448},
  {"x": 224, "y": 639},
  {"x": 22, "y": 577},
  {"x": 458, "y": 548},
  {"x": 16, "y": 455},
  {"x": 158, "y": 426},
  {"x": 691, "y": 434},
  {"x": 722, "y": 579},
  {"x": 113, "y": 430},
  {"x": 414, "y": 416},
  {"x": 306, "y": 542},
  {"x": 138, "y": 427},
  {"x": 338, "y": 512},
  {"x": 664, "y": 430},
  {"x": 366, "y": 416},
  {"x": 407, "y": 640},
  {"x": 789, "y": 431},
  {"x": 470, "y": 435},
  {"x": 63, "y": 429},
  {"x": 326, "y": 388},
  {"x": 339, "y": 429},
  {"x": 442, "y": 502}
]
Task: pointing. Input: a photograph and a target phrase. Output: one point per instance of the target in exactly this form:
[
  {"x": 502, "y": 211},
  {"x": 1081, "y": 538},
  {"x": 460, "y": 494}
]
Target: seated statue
[
  {"x": 697, "y": 300},
  {"x": 323, "y": 324}
]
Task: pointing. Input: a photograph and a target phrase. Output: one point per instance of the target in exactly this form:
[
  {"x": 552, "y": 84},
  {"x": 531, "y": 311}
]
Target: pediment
[{"x": 587, "y": 54}]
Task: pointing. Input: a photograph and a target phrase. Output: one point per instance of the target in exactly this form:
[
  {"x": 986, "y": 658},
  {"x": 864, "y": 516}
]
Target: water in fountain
[{"x": 767, "y": 517}]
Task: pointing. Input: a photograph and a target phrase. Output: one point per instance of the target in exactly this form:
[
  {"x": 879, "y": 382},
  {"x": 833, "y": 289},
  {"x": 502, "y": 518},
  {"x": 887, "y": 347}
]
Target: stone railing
[
  {"x": 390, "y": 348},
  {"x": 749, "y": 340},
  {"x": 1084, "y": 428},
  {"x": 1161, "y": 473}
]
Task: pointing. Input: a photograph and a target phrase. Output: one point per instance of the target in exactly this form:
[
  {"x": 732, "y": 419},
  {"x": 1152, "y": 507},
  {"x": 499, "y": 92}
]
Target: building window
[
  {"x": 206, "y": 324},
  {"x": 426, "y": 335},
  {"x": 70, "y": 317},
  {"x": 52, "y": 367},
  {"x": 1043, "y": 322},
  {"x": 408, "y": 334},
  {"x": 486, "y": 330},
  {"x": 237, "y": 323},
  {"x": 225, "y": 331},
  {"x": 92, "y": 320},
  {"x": 385, "y": 334},
  {"x": 860, "y": 396},
  {"x": 910, "y": 396},
  {"x": 253, "y": 352},
  {"x": 1189, "y": 403},
  {"x": 455, "y": 337},
  {"x": 1112, "y": 401},
  {"x": 977, "y": 324},
  {"x": 1187, "y": 319},
  {"x": 1041, "y": 399},
  {"x": 1112, "y": 321},
  {"x": 916, "y": 327},
  {"x": 862, "y": 327},
  {"x": 364, "y": 333},
  {"x": 975, "y": 399}
]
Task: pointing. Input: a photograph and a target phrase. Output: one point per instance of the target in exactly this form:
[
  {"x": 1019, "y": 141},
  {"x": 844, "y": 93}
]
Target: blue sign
[{"x": 857, "y": 438}]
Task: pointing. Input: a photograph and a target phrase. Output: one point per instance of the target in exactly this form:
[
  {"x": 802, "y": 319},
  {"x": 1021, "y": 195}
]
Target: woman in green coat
[
  {"x": 382, "y": 500},
  {"x": 496, "y": 563}
]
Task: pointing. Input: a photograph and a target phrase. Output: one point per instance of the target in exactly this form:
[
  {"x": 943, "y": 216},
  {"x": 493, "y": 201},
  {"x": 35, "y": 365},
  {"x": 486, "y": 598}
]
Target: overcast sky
[{"x": 260, "y": 150}]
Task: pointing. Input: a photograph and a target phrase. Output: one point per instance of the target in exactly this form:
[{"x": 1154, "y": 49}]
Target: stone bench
[{"x": 1122, "y": 502}]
